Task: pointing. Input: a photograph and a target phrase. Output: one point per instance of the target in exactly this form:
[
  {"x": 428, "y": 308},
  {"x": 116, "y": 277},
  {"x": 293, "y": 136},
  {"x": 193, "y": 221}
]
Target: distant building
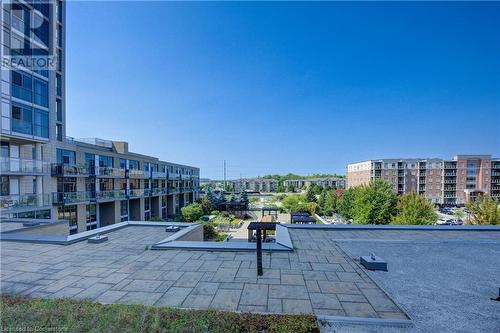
[
  {"x": 451, "y": 182},
  {"x": 254, "y": 185},
  {"x": 299, "y": 184}
]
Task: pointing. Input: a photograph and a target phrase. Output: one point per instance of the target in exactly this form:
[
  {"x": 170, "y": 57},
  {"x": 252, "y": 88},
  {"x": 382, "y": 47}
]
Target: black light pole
[{"x": 259, "y": 252}]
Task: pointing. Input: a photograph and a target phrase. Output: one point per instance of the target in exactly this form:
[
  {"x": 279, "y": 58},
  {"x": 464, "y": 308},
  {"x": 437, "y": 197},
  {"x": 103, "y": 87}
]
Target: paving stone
[
  {"x": 140, "y": 297},
  {"x": 111, "y": 296},
  {"x": 225, "y": 275},
  {"x": 114, "y": 278},
  {"x": 146, "y": 275},
  {"x": 142, "y": 285},
  {"x": 280, "y": 263},
  {"x": 351, "y": 298},
  {"x": 297, "y": 306},
  {"x": 174, "y": 296},
  {"x": 292, "y": 279},
  {"x": 170, "y": 276},
  {"x": 164, "y": 286},
  {"x": 86, "y": 282},
  {"x": 326, "y": 267},
  {"x": 329, "y": 312},
  {"x": 189, "y": 279},
  {"x": 379, "y": 300},
  {"x": 325, "y": 301},
  {"x": 66, "y": 292},
  {"x": 230, "y": 264},
  {"x": 25, "y": 277},
  {"x": 254, "y": 294},
  {"x": 197, "y": 301},
  {"x": 349, "y": 277},
  {"x": 210, "y": 266},
  {"x": 226, "y": 299},
  {"x": 94, "y": 291},
  {"x": 312, "y": 286},
  {"x": 274, "y": 305},
  {"x": 314, "y": 275},
  {"x": 252, "y": 308},
  {"x": 268, "y": 281},
  {"x": 338, "y": 287},
  {"x": 231, "y": 285},
  {"x": 205, "y": 288},
  {"x": 359, "y": 310},
  {"x": 280, "y": 291}
]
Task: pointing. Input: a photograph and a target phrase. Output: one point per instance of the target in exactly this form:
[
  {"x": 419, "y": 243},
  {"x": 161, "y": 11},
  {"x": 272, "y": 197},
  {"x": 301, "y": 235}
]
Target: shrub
[
  {"x": 192, "y": 212},
  {"x": 414, "y": 209},
  {"x": 484, "y": 210},
  {"x": 209, "y": 231}
]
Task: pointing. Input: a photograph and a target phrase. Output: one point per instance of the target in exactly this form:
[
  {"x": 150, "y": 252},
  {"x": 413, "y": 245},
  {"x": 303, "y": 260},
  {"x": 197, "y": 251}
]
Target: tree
[
  {"x": 292, "y": 203},
  {"x": 192, "y": 212},
  {"x": 345, "y": 203},
  {"x": 374, "y": 203},
  {"x": 310, "y": 194},
  {"x": 459, "y": 214},
  {"x": 484, "y": 210},
  {"x": 322, "y": 200},
  {"x": 414, "y": 209},
  {"x": 206, "y": 205}
]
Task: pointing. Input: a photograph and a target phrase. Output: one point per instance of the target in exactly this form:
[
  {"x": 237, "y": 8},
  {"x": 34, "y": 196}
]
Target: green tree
[
  {"x": 292, "y": 203},
  {"x": 374, "y": 203},
  {"x": 345, "y": 203},
  {"x": 290, "y": 188},
  {"x": 414, "y": 209},
  {"x": 192, "y": 212},
  {"x": 322, "y": 200},
  {"x": 459, "y": 214},
  {"x": 484, "y": 210},
  {"x": 206, "y": 205},
  {"x": 310, "y": 194}
]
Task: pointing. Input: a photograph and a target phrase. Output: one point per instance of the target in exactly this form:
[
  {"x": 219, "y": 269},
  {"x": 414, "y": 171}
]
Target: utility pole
[{"x": 225, "y": 187}]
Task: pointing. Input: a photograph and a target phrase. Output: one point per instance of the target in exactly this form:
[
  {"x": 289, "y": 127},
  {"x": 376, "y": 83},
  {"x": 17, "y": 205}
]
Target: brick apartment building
[{"x": 449, "y": 182}]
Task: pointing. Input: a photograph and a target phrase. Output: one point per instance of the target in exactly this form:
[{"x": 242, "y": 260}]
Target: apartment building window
[
  {"x": 66, "y": 156},
  {"x": 4, "y": 185},
  {"x": 91, "y": 217},
  {"x": 124, "y": 210},
  {"x": 106, "y": 161},
  {"x": 20, "y": 18},
  {"x": 123, "y": 163},
  {"x": 90, "y": 185},
  {"x": 66, "y": 184},
  {"x": 59, "y": 85},
  {"x": 21, "y": 86},
  {"x": 134, "y": 165},
  {"x": 22, "y": 119},
  {"x": 40, "y": 92},
  {"x": 69, "y": 213},
  {"x": 106, "y": 184},
  {"x": 59, "y": 133},
  {"x": 59, "y": 109},
  {"x": 147, "y": 204},
  {"x": 41, "y": 123}
]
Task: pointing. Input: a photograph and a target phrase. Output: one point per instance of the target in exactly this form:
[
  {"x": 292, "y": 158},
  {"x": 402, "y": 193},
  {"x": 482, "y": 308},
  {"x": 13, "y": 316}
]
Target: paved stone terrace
[{"x": 317, "y": 278}]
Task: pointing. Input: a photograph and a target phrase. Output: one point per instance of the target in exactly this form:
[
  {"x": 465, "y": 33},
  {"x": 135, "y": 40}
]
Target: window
[
  {"x": 21, "y": 86},
  {"x": 4, "y": 185},
  {"x": 91, "y": 217},
  {"x": 22, "y": 119},
  {"x": 90, "y": 160},
  {"x": 123, "y": 163},
  {"x": 124, "y": 210},
  {"x": 106, "y": 184},
  {"x": 66, "y": 184},
  {"x": 105, "y": 161},
  {"x": 41, "y": 30},
  {"x": 69, "y": 213},
  {"x": 59, "y": 85},
  {"x": 59, "y": 109},
  {"x": 66, "y": 156},
  {"x": 41, "y": 123},
  {"x": 59, "y": 133},
  {"x": 133, "y": 165},
  {"x": 40, "y": 92}
]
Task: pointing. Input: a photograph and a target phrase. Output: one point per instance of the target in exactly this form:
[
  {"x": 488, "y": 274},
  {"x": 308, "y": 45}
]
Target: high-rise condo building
[{"x": 45, "y": 174}]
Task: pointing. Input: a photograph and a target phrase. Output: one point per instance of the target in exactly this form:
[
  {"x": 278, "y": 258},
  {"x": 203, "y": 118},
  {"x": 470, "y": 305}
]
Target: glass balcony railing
[
  {"x": 21, "y": 126},
  {"x": 136, "y": 193},
  {"x": 65, "y": 198},
  {"x": 111, "y": 172},
  {"x": 110, "y": 195},
  {"x": 69, "y": 170},
  {"x": 174, "y": 175},
  {"x": 158, "y": 191},
  {"x": 12, "y": 202},
  {"x": 22, "y": 166},
  {"x": 138, "y": 174},
  {"x": 158, "y": 175}
]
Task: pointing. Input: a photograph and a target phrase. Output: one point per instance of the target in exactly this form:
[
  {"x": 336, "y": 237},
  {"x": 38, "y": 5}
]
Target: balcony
[
  {"x": 12, "y": 203},
  {"x": 69, "y": 198},
  {"x": 108, "y": 172},
  {"x": 450, "y": 166},
  {"x": 138, "y": 174},
  {"x": 69, "y": 170},
  {"x": 450, "y": 181},
  {"x": 16, "y": 166},
  {"x": 450, "y": 174},
  {"x": 158, "y": 175},
  {"x": 174, "y": 176},
  {"x": 495, "y": 174},
  {"x": 136, "y": 193},
  {"x": 110, "y": 195},
  {"x": 158, "y": 191}
]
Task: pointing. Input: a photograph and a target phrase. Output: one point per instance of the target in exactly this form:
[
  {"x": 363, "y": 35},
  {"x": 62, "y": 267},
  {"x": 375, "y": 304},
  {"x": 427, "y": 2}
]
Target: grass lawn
[{"x": 65, "y": 315}]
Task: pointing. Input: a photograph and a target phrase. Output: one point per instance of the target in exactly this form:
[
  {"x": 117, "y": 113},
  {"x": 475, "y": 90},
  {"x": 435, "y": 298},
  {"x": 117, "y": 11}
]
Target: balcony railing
[
  {"x": 69, "y": 170},
  {"x": 136, "y": 193},
  {"x": 12, "y": 202},
  {"x": 158, "y": 175},
  {"x": 158, "y": 191},
  {"x": 174, "y": 175},
  {"x": 495, "y": 173},
  {"x": 111, "y": 172},
  {"x": 138, "y": 174},
  {"x": 110, "y": 195},
  {"x": 449, "y": 174},
  {"x": 66, "y": 198},
  {"x": 23, "y": 166}
]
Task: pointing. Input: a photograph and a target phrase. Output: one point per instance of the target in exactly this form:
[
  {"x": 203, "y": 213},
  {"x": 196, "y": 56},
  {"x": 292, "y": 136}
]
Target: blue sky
[{"x": 285, "y": 87}]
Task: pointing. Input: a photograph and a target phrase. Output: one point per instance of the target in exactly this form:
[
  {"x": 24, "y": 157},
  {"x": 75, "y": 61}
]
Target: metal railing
[
  {"x": 23, "y": 166},
  {"x": 10, "y": 202},
  {"x": 132, "y": 173},
  {"x": 111, "y": 172},
  {"x": 71, "y": 170},
  {"x": 136, "y": 193},
  {"x": 65, "y": 198},
  {"x": 110, "y": 195}
]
